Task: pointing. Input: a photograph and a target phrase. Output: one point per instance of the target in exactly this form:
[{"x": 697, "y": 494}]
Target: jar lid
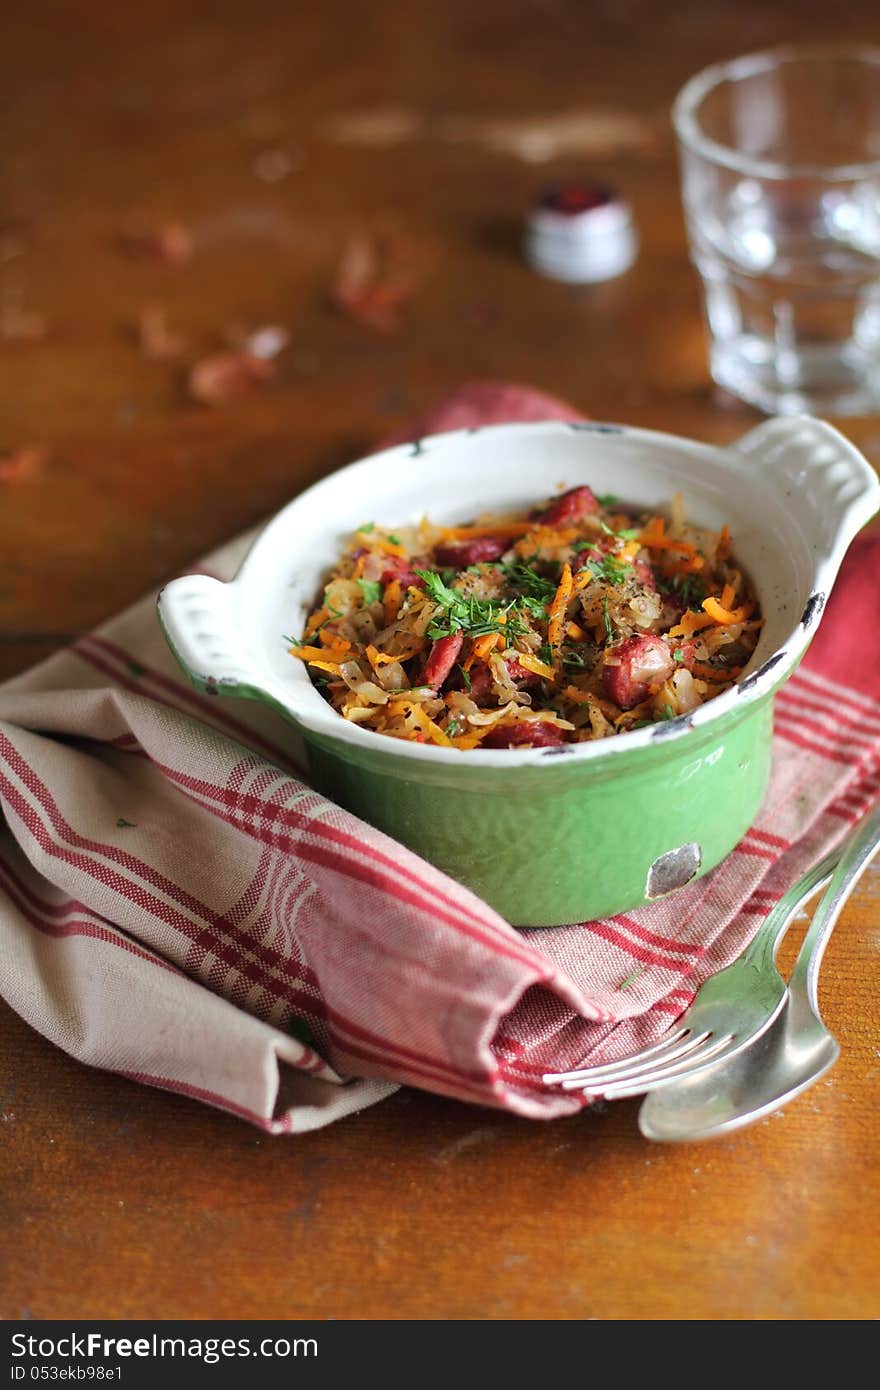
[{"x": 581, "y": 232}]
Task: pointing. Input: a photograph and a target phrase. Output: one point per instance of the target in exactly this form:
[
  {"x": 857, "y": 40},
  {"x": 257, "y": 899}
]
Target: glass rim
[{"x": 691, "y": 136}]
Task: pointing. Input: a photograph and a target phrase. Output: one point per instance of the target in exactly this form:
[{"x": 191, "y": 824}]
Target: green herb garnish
[
  {"x": 464, "y": 613},
  {"x": 691, "y": 589},
  {"x": 607, "y": 499},
  {"x": 452, "y": 728},
  {"x": 668, "y": 712},
  {"x": 367, "y": 527},
  {"x": 466, "y": 677},
  {"x": 609, "y": 570},
  {"x": 395, "y": 540},
  {"x": 371, "y": 590},
  {"x": 573, "y": 660},
  {"x": 630, "y": 979},
  {"x": 609, "y": 630},
  {"x": 533, "y": 606},
  {"x": 528, "y": 581},
  {"x": 678, "y": 654}
]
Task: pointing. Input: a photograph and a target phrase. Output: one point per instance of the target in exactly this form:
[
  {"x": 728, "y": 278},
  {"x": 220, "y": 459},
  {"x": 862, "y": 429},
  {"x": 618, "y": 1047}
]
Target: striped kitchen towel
[{"x": 179, "y": 907}]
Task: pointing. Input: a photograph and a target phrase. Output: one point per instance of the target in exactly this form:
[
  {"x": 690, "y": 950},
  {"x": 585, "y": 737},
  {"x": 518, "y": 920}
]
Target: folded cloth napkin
[{"x": 179, "y": 907}]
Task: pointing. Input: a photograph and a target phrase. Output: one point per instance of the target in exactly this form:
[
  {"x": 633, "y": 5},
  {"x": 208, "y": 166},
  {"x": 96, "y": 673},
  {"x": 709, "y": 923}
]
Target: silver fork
[{"x": 733, "y": 1007}]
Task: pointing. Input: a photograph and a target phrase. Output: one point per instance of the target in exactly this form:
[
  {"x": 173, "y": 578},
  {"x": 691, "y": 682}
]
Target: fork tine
[
  {"x": 710, "y": 1050},
  {"x": 668, "y": 1050},
  {"x": 550, "y": 1078}
]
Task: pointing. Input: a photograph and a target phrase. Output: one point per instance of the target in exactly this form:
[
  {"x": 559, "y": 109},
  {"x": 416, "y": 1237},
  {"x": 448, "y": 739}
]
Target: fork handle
[
  {"x": 856, "y": 856},
  {"x": 765, "y": 943}
]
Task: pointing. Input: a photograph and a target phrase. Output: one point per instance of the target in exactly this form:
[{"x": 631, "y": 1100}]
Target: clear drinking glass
[{"x": 780, "y": 161}]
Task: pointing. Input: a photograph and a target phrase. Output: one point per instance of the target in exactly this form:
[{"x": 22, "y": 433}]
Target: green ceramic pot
[{"x": 552, "y": 835}]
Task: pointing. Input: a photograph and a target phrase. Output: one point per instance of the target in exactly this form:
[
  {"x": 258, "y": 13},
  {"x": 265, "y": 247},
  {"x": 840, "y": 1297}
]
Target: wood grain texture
[{"x": 118, "y": 1201}]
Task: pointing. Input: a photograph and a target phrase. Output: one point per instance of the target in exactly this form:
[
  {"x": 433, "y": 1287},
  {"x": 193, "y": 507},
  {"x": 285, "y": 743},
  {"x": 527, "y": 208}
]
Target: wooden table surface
[{"x": 275, "y": 132}]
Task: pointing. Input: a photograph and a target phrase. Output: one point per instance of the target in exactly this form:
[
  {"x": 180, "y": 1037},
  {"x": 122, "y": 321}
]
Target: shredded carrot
[
  {"x": 724, "y": 616},
  {"x": 539, "y": 536},
  {"x": 558, "y": 606},
  {"x": 582, "y": 579},
  {"x": 654, "y": 533},
  {"x": 714, "y": 673},
  {"x": 308, "y": 653},
  {"x": 330, "y": 666},
  {"x": 481, "y": 648},
  {"x": 332, "y": 639},
  {"x": 503, "y": 531},
  {"x": 317, "y": 618},
  {"x": 391, "y": 600},
  {"x": 728, "y": 596},
  {"x": 654, "y": 537},
  {"x": 484, "y": 645},
  {"x": 692, "y": 565},
  {"x": 691, "y": 622},
  {"x": 631, "y": 549},
  {"x": 577, "y": 697},
  {"x": 722, "y": 549},
  {"x": 576, "y": 633},
  {"x": 359, "y": 567},
  {"x": 377, "y": 658},
  {"x": 389, "y": 548},
  {"x": 538, "y": 668}
]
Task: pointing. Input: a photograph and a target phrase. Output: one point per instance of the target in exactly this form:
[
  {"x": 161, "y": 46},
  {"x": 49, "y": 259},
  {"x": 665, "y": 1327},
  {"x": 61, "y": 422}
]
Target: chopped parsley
[
  {"x": 464, "y": 613},
  {"x": 609, "y": 630},
  {"x": 678, "y": 654},
  {"x": 668, "y": 712},
  {"x": 691, "y": 589},
  {"x": 609, "y": 569},
  {"x": 466, "y": 677},
  {"x": 367, "y": 527},
  {"x": 528, "y": 581},
  {"x": 371, "y": 590},
  {"x": 534, "y": 607},
  {"x": 607, "y": 499},
  {"x": 452, "y": 728},
  {"x": 574, "y": 660},
  {"x": 395, "y": 540}
]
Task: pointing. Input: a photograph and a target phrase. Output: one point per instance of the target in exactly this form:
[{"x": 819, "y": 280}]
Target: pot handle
[
  {"x": 195, "y": 615},
  {"x": 818, "y": 469}
]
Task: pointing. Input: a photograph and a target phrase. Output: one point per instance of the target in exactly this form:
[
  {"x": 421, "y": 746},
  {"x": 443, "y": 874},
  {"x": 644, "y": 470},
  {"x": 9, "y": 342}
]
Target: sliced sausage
[
  {"x": 645, "y": 575},
  {"x": 532, "y": 733},
  {"x": 572, "y": 506},
  {"x": 520, "y": 674},
  {"x": 458, "y": 555},
  {"x": 633, "y": 666},
  {"x": 441, "y": 659},
  {"x": 481, "y": 683},
  {"x": 398, "y": 568}
]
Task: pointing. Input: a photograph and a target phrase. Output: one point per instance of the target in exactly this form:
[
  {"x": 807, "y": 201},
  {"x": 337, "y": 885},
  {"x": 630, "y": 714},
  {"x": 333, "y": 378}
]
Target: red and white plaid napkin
[{"x": 179, "y": 907}]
